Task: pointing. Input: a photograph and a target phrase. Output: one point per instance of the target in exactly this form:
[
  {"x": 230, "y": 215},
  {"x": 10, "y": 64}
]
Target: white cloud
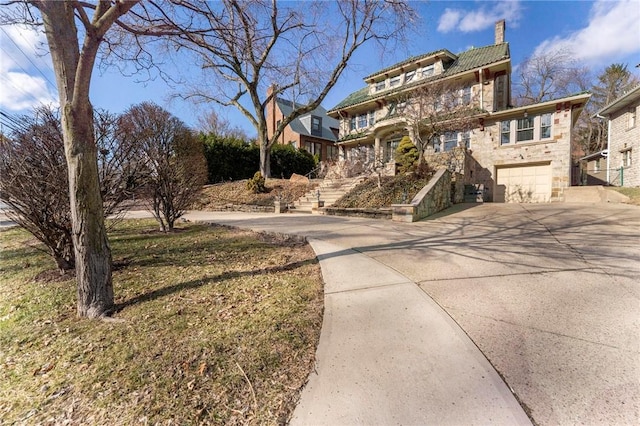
[
  {"x": 22, "y": 66},
  {"x": 477, "y": 20},
  {"x": 449, "y": 20},
  {"x": 612, "y": 33}
]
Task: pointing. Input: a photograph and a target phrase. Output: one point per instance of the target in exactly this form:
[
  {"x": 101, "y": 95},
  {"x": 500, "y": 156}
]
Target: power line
[
  {"x": 29, "y": 94},
  {"x": 28, "y": 58}
]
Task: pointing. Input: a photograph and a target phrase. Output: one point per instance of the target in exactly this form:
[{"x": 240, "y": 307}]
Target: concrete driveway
[{"x": 549, "y": 293}]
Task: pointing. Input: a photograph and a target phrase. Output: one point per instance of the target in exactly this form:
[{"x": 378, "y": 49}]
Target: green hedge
[{"x": 234, "y": 159}]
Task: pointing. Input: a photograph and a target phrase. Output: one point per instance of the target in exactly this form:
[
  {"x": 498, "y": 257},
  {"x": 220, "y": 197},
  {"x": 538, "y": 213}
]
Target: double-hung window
[
  {"x": 545, "y": 126},
  {"x": 428, "y": 70},
  {"x": 394, "y": 81},
  {"x": 435, "y": 141},
  {"x": 352, "y": 123},
  {"x": 505, "y": 132},
  {"x": 372, "y": 118},
  {"x": 524, "y": 129},
  {"x": 626, "y": 158},
  {"x": 450, "y": 141},
  {"x": 465, "y": 95},
  {"x": 362, "y": 121},
  {"x": 316, "y": 126},
  {"x": 380, "y": 86},
  {"x": 466, "y": 139},
  {"x": 409, "y": 76},
  {"x": 632, "y": 118}
]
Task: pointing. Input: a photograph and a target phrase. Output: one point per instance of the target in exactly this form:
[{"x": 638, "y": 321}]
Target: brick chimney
[{"x": 500, "y": 29}]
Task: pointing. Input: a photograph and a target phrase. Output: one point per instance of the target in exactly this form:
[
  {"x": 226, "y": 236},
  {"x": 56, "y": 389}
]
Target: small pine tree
[{"x": 406, "y": 155}]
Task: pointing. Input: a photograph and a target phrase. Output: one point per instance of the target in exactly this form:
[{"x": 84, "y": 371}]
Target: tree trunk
[
  {"x": 92, "y": 251},
  {"x": 265, "y": 160},
  {"x": 73, "y": 68}
]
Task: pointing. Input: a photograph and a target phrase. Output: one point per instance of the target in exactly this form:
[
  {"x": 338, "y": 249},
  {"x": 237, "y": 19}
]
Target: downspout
[
  {"x": 608, "y": 147},
  {"x": 481, "y": 90}
]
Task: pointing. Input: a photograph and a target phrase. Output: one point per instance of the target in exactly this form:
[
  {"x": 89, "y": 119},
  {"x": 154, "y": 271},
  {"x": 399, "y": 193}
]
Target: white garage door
[{"x": 524, "y": 184}]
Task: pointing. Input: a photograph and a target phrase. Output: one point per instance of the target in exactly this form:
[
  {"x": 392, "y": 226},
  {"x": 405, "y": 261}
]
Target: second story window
[
  {"x": 524, "y": 130},
  {"x": 362, "y": 121},
  {"x": 465, "y": 95},
  {"x": 505, "y": 132},
  {"x": 394, "y": 81},
  {"x": 316, "y": 126},
  {"x": 632, "y": 119},
  {"x": 352, "y": 123},
  {"x": 545, "y": 126},
  {"x": 380, "y": 86},
  {"x": 372, "y": 118}
]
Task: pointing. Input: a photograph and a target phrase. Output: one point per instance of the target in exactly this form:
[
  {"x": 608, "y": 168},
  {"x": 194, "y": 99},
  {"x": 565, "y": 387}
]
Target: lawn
[
  {"x": 214, "y": 326},
  {"x": 632, "y": 193}
]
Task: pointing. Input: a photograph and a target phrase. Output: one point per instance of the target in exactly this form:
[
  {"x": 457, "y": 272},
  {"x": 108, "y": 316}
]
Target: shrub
[
  {"x": 287, "y": 160},
  {"x": 256, "y": 184},
  {"x": 229, "y": 158},
  {"x": 34, "y": 181},
  {"x": 175, "y": 167},
  {"x": 406, "y": 155}
]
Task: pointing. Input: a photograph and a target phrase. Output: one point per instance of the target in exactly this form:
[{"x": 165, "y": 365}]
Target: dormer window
[
  {"x": 409, "y": 76},
  {"x": 316, "y": 126},
  {"x": 428, "y": 70},
  {"x": 380, "y": 86},
  {"x": 394, "y": 81}
]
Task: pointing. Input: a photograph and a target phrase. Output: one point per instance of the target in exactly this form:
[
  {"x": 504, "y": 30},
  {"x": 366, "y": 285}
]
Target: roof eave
[{"x": 622, "y": 102}]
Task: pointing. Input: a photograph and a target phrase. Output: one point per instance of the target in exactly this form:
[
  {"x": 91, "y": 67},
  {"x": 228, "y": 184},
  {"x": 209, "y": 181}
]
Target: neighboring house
[
  {"x": 314, "y": 131},
  {"x": 594, "y": 168},
  {"x": 513, "y": 154},
  {"x": 622, "y": 161}
]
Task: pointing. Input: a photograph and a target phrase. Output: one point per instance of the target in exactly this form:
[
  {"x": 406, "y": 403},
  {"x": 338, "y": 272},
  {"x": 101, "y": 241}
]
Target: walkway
[{"x": 549, "y": 293}]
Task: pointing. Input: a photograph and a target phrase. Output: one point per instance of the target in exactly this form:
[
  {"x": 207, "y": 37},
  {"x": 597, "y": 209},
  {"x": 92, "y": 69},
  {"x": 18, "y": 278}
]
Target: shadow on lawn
[{"x": 166, "y": 291}]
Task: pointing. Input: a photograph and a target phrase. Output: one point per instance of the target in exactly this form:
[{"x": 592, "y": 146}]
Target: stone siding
[
  {"x": 623, "y": 138},
  {"x": 488, "y": 154}
]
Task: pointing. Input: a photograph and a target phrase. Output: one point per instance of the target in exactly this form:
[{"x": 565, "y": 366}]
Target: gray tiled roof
[
  {"x": 302, "y": 124},
  {"x": 466, "y": 61}
]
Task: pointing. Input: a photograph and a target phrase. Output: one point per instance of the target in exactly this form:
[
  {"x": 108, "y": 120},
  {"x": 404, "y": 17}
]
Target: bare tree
[
  {"x": 611, "y": 83},
  {"x": 34, "y": 174},
  {"x": 212, "y": 123},
  {"x": 34, "y": 183},
  {"x": 173, "y": 158},
  {"x": 435, "y": 109},
  {"x": 246, "y": 46},
  {"x": 73, "y": 54},
  {"x": 547, "y": 76}
]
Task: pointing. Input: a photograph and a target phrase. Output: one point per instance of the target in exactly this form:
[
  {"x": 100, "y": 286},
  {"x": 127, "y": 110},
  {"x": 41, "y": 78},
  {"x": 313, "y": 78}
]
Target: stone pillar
[{"x": 379, "y": 155}]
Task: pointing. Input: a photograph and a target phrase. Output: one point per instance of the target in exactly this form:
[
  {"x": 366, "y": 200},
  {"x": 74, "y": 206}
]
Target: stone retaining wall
[{"x": 434, "y": 197}]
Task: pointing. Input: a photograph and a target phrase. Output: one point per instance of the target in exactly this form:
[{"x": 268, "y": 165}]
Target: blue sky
[{"x": 598, "y": 33}]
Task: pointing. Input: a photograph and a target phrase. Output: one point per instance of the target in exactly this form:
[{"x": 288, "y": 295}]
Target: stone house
[
  {"x": 622, "y": 157},
  {"x": 509, "y": 154},
  {"x": 314, "y": 131}
]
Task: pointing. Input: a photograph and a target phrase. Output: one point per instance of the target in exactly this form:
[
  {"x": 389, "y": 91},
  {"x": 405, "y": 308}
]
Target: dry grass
[
  {"x": 215, "y": 326},
  {"x": 219, "y": 195},
  {"x": 632, "y": 193}
]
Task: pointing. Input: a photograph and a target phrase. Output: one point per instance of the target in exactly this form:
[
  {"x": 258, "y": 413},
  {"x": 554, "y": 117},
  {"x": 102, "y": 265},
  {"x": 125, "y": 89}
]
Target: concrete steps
[
  {"x": 331, "y": 190},
  {"x": 592, "y": 194}
]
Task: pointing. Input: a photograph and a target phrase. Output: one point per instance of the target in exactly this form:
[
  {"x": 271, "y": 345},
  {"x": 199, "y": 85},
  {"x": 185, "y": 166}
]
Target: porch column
[{"x": 378, "y": 154}]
